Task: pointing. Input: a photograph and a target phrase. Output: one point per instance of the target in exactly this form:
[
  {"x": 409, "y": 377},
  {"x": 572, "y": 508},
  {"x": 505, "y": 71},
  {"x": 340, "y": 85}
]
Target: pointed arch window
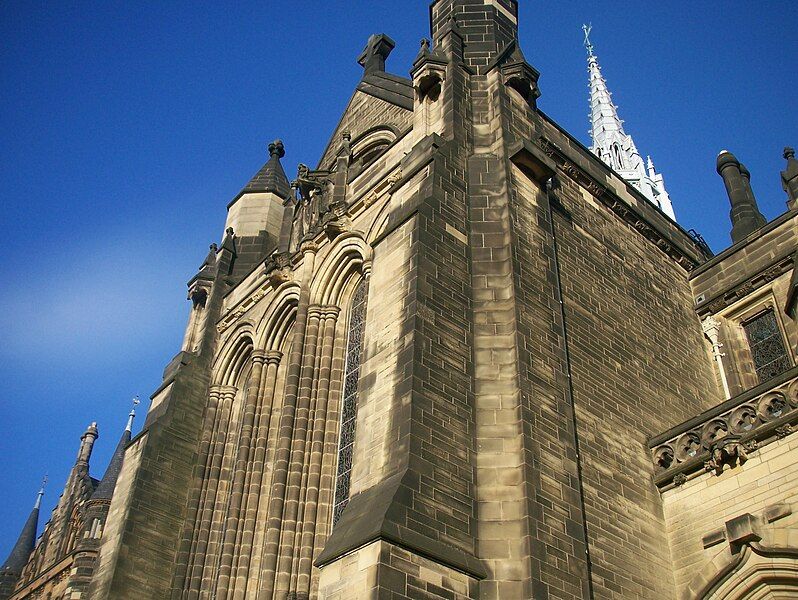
[
  {"x": 616, "y": 156},
  {"x": 346, "y": 443}
]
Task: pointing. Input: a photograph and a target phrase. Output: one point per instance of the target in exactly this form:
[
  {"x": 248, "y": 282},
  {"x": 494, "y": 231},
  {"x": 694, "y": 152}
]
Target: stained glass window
[
  {"x": 767, "y": 346},
  {"x": 354, "y": 350}
]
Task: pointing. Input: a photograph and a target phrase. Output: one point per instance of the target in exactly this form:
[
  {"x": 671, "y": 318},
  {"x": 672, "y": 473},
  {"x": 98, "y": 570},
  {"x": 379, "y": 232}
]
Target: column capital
[
  {"x": 273, "y": 357},
  {"x": 316, "y": 311},
  {"x": 711, "y": 327},
  {"x": 259, "y": 356},
  {"x": 309, "y": 247}
]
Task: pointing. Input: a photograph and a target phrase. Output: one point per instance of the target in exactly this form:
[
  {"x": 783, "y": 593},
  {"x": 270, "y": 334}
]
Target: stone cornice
[
  {"x": 742, "y": 289},
  {"x": 626, "y": 212},
  {"x": 722, "y": 256}
]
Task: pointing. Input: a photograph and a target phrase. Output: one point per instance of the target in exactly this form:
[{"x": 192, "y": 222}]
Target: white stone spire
[{"x": 613, "y": 145}]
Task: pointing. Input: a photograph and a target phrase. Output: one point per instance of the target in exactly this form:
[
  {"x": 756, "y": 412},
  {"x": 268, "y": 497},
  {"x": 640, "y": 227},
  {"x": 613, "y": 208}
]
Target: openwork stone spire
[{"x": 613, "y": 145}]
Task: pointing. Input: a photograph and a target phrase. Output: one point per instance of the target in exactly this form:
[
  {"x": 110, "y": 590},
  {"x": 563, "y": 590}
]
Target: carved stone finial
[
  {"x": 346, "y": 143},
  {"x": 789, "y": 178},
  {"x": 229, "y": 231},
  {"x": 276, "y": 148}
]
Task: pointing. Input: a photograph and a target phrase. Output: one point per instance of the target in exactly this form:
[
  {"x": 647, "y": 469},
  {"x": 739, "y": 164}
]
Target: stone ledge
[{"x": 372, "y": 515}]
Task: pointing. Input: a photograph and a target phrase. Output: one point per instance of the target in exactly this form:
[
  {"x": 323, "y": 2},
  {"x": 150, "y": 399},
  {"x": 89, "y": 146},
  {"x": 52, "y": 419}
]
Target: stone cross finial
[
  {"x": 276, "y": 148},
  {"x": 377, "y": 49}
]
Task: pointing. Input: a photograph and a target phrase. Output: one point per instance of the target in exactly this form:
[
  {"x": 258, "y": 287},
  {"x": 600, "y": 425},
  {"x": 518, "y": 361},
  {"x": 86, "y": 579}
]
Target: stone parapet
[{"x": 728, "y": 433}]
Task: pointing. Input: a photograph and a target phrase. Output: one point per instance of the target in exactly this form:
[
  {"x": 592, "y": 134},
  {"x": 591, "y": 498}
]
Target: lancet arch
[
  {"x": 278, "y": 318},
  {"x": 350, "y": 254},
  {"x": 236, "y": 349}
]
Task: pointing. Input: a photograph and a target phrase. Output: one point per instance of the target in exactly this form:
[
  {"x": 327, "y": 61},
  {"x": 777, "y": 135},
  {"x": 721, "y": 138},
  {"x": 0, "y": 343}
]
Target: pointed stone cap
[
  {"x": 107, "y": 484},
  {"x": 20, "y": 554},
  {"x": 229, "y": 240},
  {"x": 271, "y": 177},
  {"x": 423, "y": 52},
  {"x": 210, "y": 259}
]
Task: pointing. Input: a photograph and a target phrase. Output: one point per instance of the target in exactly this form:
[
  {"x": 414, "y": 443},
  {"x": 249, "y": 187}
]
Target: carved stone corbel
[
  {"x": 337, "y": 220},
  {"x": 727, "y": 450},
  {"x": 278, "y": 269}
]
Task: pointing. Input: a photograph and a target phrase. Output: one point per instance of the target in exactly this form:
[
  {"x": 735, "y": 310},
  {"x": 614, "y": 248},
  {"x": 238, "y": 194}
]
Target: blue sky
[{"x": 127, "y": 127}]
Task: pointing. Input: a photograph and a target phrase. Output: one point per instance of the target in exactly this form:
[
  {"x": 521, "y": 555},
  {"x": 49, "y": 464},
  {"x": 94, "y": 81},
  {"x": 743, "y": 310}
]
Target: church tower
[{"x": 616, "y": 147}]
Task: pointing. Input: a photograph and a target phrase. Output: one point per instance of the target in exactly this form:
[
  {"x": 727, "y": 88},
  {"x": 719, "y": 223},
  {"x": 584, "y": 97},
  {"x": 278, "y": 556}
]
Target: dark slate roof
[
  {"x": 105, "y": 489},
  {"x": 18, "y": 558},
  {"x": 271, "y": 177},
  {"x": 391, "y": 88}
]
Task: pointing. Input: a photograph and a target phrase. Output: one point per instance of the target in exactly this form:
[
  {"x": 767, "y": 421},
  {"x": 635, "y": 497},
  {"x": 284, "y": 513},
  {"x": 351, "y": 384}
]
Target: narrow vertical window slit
[{"x": 354, "y": 350}]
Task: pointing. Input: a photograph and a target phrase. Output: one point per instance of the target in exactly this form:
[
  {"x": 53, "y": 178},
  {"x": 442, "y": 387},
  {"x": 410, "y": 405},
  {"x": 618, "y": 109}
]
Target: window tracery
[
  {"x": 767, "y": 346},
  {"x": 354, "y": 351}
]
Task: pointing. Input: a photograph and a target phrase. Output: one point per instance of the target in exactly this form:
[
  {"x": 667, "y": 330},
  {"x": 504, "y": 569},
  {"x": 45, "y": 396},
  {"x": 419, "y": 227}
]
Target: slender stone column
[
  {"x": 218, "y": 488},
  {"x": 298, "y": 452},
  {"x": 305, "y": 459},
  {"x": 239, "y": 475},
  {"x": 308, "y": 529},
  {"x": 283, "y": 452},
  {"x": 711, "y": 328},
  {"x": 246, "y": 550},
  {"x": 316, "y": 392},
  {"x": 189, "y": 539},
  {"x": 225, "y": 395}
]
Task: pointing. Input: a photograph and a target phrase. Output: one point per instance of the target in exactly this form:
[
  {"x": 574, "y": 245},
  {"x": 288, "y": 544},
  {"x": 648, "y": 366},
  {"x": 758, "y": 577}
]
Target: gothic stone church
[{"x": 428, "y": 368}]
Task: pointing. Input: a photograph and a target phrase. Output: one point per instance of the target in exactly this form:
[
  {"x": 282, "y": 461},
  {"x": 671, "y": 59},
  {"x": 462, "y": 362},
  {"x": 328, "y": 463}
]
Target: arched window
[
  {"x": 354, "y": 350},
  {"x": 616, "y": 155}
]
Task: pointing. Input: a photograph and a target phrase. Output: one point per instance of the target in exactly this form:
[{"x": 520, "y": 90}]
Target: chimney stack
[{"x": 745, "y": 215}]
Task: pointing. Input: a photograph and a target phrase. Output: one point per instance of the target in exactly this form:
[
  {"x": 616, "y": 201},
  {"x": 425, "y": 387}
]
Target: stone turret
[
  {"x": 87, "y": 444},
  {"x": 745, "y": 215},
  {"x": 95, "y": 516},
  {"x": 256, "y": 213},
  {"x": 16, "y": 561}
]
